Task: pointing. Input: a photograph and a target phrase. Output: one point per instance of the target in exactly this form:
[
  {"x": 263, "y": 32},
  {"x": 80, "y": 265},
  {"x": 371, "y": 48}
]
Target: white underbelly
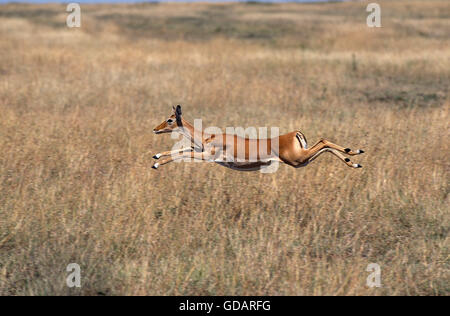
[{"x": 245, "y": 166}]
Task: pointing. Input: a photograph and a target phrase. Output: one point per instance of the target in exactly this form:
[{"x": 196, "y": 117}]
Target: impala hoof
[
  {"x": 357, "y": 165},
  {"x": 155, "y": 166},
  {"x": 360, "y": 151},
  {"x": 156, "y": 156}
]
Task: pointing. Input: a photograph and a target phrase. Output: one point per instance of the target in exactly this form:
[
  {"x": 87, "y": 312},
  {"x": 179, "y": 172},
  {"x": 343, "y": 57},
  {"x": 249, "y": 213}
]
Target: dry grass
[{"x": 78, "y": 105}]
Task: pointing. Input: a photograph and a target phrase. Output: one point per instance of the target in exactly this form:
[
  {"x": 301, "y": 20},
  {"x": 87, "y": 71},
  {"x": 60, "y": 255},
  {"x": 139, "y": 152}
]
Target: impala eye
[{"x": 169, "y": 121}]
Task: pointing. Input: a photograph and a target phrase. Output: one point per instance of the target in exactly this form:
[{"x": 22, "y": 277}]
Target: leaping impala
[{"x": 290, "y": 148}]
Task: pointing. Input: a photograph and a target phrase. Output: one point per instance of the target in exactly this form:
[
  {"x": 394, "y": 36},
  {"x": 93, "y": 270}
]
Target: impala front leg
[
  {"x": 193, "y": 155},
  {"x": 173, "y": 152}
]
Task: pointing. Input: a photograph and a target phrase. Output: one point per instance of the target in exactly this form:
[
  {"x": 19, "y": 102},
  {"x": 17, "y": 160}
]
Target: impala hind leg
[
  {"x": 323, "y": 143},
  {"x": 337, "y": 154},
  {"x": 193, "y": 155}
]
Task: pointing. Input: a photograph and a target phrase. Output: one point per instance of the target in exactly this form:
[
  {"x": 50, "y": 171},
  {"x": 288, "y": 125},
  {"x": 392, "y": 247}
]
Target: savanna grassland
[{"x": 77, "y": 109}]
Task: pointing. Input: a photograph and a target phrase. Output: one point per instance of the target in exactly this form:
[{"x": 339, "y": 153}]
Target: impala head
[{"x": 171, "y": 123}]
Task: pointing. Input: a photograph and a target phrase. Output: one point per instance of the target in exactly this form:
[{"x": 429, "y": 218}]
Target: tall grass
[{"x": 77, "y": 111}]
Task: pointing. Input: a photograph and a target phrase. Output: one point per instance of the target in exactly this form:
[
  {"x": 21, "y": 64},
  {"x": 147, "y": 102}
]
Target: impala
[{"x": 255, "y": 154}]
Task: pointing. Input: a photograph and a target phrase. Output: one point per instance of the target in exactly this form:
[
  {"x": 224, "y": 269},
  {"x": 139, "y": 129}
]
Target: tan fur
[{"x": 254, "y": 154}]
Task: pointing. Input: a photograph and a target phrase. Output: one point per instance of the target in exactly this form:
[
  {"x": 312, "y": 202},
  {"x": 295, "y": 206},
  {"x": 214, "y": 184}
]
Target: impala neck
[{"x": 188, "y": 131}]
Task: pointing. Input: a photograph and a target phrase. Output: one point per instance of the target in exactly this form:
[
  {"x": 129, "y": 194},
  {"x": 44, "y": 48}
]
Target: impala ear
[{"x": 178, "y": 115}]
